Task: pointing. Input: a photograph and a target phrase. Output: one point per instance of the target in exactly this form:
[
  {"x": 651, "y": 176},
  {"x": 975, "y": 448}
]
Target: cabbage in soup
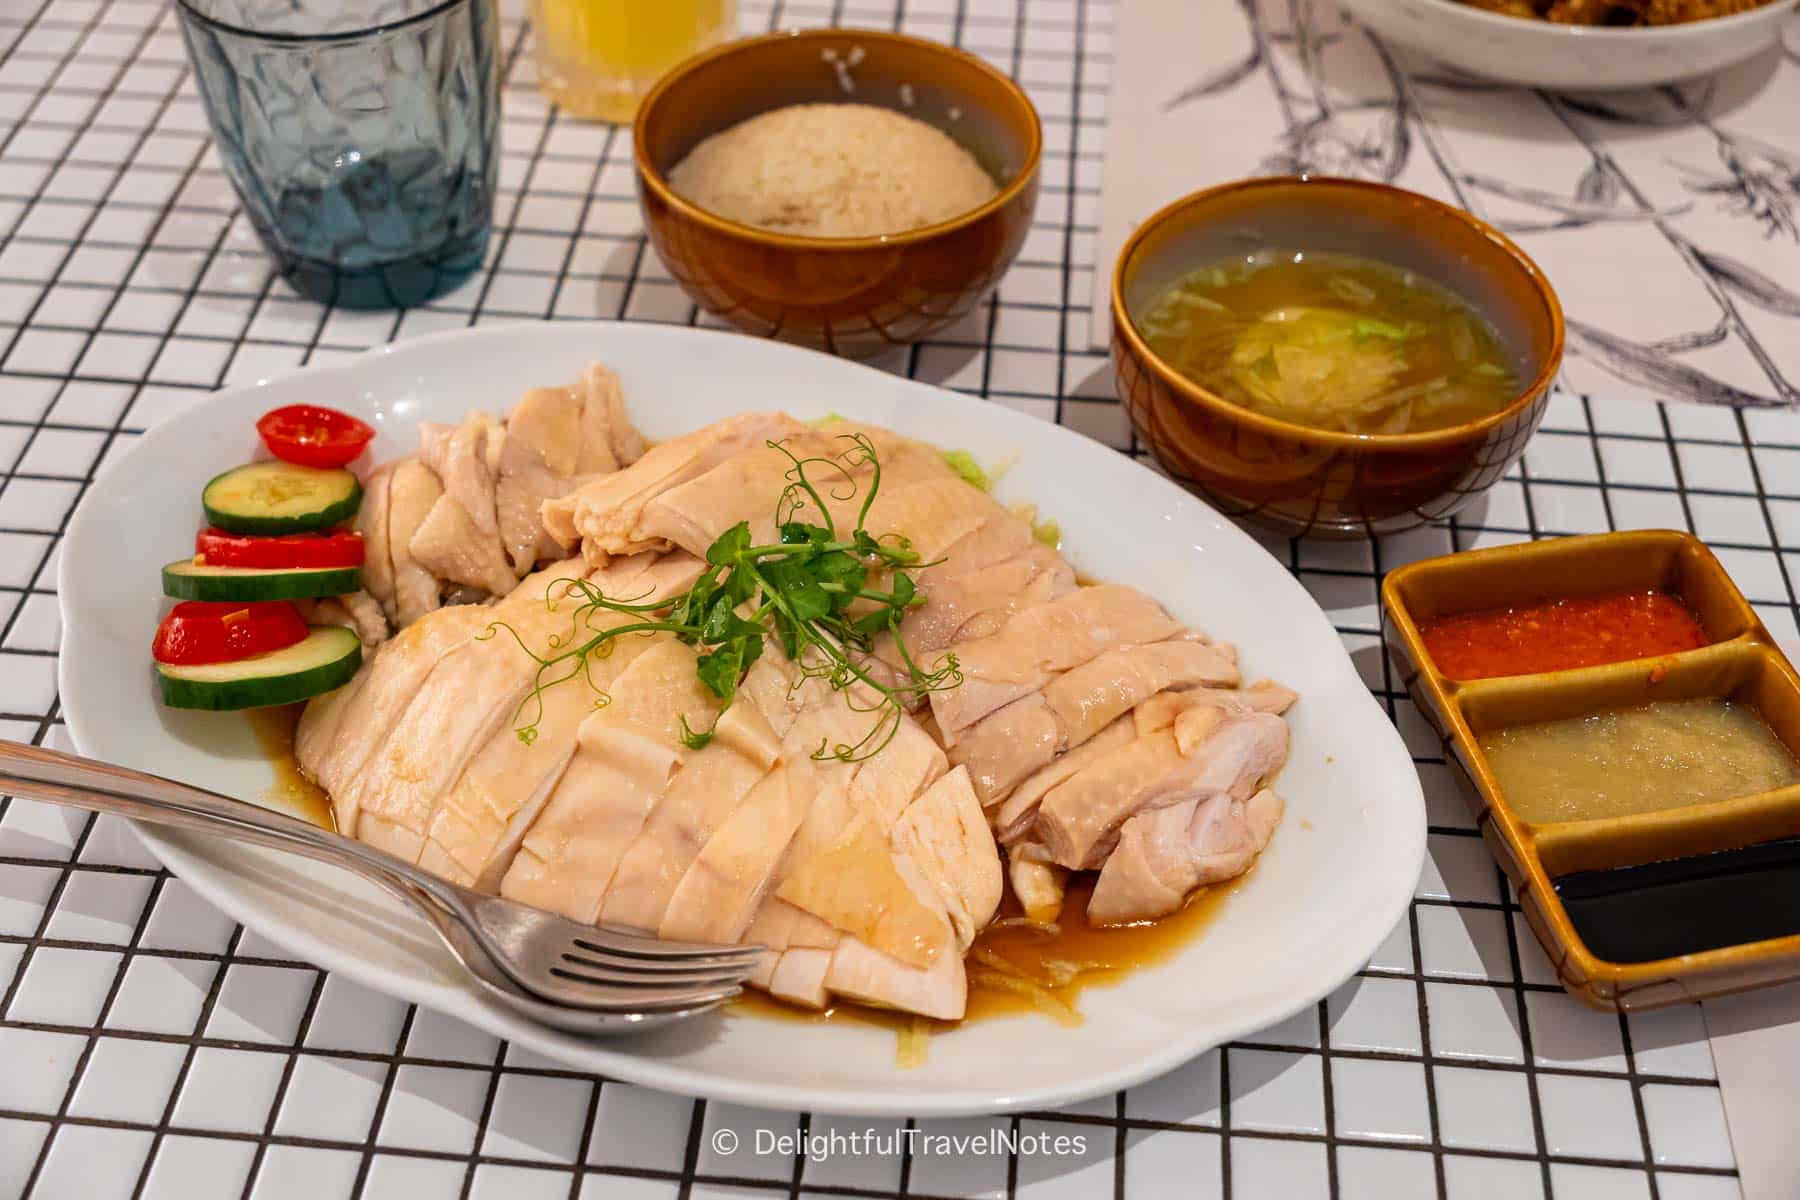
[{"x": 1332, "y": 341}]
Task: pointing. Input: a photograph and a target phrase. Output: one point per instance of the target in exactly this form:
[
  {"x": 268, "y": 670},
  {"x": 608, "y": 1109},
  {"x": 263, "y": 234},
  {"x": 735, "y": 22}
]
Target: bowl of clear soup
[
  {"x": 1331, "y": 357},
  {"x": 1626, "y": 730}
]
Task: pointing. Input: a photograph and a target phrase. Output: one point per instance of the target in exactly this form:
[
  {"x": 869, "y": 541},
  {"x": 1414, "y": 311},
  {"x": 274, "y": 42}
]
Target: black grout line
[
  {"x": 1637, "y": 1104},
  {"x": 93, "y": 1035},
  {"x": 495, "y": 1070},
  {"x": 1322, "y": 1013},
  {"x": 1225, "y": 1129},
  {"x": 387, "y": 1091},
  {"x": 1432, "y": 1114},
  {"x": 691, "y": 1156},
  {"x": 1682, "y": 492},
  {"x": 161, "y": 1128},
  {"x": 25, "y": 28},
  {"x": 1756, "y": 481},
  {"x": 287, "y": 1078},
  {"x": 585, "y": 1145}
]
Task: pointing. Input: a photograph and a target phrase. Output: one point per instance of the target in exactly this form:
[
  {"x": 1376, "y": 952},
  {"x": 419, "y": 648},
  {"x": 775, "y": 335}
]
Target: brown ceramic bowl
[
  {"x": 1310, "y": 481},
  {"x": 852, "y": 296}
]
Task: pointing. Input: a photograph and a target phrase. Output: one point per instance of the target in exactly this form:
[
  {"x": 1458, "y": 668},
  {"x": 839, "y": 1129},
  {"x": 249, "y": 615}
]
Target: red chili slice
[
  {"x": 343, "y": 548},
  {"x": 313, "y": 435},
  {"x": 204, "y": 631}
]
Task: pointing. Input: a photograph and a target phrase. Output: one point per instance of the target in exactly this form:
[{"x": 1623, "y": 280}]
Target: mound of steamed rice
[{"x": 832, "y": 170}]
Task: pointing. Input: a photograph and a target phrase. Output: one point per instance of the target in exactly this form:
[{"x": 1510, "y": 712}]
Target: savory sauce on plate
[
  {"x": 1332, "y": 341},
  {"x": 291, "y": 792},
  {"x": 1105, "y": 954}
]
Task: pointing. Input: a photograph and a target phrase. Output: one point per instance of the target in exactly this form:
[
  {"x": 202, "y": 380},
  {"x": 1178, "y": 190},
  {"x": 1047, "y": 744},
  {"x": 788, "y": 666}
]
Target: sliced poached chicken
[{"x": 1091, "y": 731}]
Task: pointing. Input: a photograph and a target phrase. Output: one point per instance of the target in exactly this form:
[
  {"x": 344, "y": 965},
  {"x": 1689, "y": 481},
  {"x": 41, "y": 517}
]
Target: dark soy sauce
[{"x": 1687, "y": 905}]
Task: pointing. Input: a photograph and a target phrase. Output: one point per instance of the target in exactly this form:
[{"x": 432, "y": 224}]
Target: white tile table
[{"x": 150, "y": 1047}]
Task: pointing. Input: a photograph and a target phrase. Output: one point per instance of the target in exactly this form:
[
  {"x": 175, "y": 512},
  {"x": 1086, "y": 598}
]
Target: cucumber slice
[
  {"x": 280, "y": 497},
  {"x": 184, "y": 579},
  {"x": 325, "y": 660}
]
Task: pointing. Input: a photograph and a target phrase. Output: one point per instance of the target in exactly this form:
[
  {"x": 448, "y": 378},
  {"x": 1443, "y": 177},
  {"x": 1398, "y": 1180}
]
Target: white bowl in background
[{"x": 1570, "y": 57}]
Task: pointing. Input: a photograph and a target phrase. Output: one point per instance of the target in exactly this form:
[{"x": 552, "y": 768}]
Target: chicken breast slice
[
  {"x": 837, "y": 864},
  {"x": 843, "y": 871},
  {"x": 450, "y": 546},
  {"x": 751, "y": 486},
  {"x": 1233, "y": 753},
  {"x": 609, "y": 441},
  {"x": 537, "y": 463},
  {"x": 805, "y": 854},
  {"x": 339, "y": 733},
  {"x": 1039, "y": 887},
  {"x": 933, "y": 514},
  {"x": 887, "y": 783},
  {"x": 464, "y": 457},
  {"x": 718, "y": 896},
  {"x": 781, "y": 926},
  {"x": 998, "y": 539},
  {"x": 413, "y": 490},
  {"x": 977, "y": 603},
  {"x": 475, "y": 833},
  {"x": 372, "y": 523},
  {"x": 946, "y": 835},
  {"x": 1090, "y": 697},
  {"x": 473, "y": 691},
  {"x": 322, "y": 720},
  {"x": 1161, "y": 711},
  {"x": 1042, "y": 642},
  {"x": 1163, "y": 855},
  {"x": 709, "y": 788},
  {"x": 799, "y": 977},
  {"x": 1013, "y": 818},
  {"x": 862, "y": 973},
  {"x": 604, "y": 516},
  {"x": 1004, "y": 747},
  {"x": 1007, "y": 745},
  {"x": 628, "y": 753}
]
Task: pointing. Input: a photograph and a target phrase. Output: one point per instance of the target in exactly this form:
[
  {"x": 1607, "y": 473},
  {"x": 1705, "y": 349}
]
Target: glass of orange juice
[{"x": 597, "y": 58}]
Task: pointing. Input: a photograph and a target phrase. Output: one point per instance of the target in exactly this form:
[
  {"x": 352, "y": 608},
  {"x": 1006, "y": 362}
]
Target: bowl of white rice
[{"x": 850, "y": 190}]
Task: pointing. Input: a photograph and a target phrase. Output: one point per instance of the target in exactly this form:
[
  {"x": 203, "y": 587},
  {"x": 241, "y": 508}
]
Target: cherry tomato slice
[
  {"x": 205, "y": 631},
  {"x": 343, "y": 548},
  {"x": 312, "y": 435}
]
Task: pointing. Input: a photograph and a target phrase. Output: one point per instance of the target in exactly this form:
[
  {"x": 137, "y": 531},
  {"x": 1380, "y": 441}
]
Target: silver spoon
[{"x": 589, "y": 979}]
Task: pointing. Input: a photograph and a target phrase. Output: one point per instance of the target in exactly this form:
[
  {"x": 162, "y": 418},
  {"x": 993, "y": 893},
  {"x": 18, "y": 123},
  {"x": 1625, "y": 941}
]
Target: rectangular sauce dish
[{"x": 1689, "y": 894}]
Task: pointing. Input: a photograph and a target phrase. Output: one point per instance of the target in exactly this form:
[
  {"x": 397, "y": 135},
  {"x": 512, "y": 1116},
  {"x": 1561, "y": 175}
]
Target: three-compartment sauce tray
[{"x": 1657, "y": 899}]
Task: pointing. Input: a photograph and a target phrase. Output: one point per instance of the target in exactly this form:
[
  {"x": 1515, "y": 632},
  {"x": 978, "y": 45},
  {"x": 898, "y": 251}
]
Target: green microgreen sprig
[{"x": 823, "y": 596}]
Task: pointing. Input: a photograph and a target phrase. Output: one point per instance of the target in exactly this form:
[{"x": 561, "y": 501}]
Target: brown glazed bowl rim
[
  {"x": 1509, "y": 256},
  {"x": 653, "y": 178}
]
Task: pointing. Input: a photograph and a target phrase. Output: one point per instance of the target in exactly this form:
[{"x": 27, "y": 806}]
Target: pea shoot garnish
[{"x": 824, "y": 596}]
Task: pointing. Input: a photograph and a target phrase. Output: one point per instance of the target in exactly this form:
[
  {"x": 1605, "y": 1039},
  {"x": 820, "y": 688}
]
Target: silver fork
[{"x": 583, "y": 978}]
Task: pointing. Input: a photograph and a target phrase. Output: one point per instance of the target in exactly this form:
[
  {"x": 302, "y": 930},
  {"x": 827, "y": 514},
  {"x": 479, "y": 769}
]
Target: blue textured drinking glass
[{"x": 359, "y": 134}]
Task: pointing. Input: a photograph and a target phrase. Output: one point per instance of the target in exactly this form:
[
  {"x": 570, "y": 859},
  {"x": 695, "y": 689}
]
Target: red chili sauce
[{"x": 1560, "y": 634}]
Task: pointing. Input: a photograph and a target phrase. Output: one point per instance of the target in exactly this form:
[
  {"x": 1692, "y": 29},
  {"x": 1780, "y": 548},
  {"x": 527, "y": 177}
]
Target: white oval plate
[{"x": 1336, "y": 878}]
